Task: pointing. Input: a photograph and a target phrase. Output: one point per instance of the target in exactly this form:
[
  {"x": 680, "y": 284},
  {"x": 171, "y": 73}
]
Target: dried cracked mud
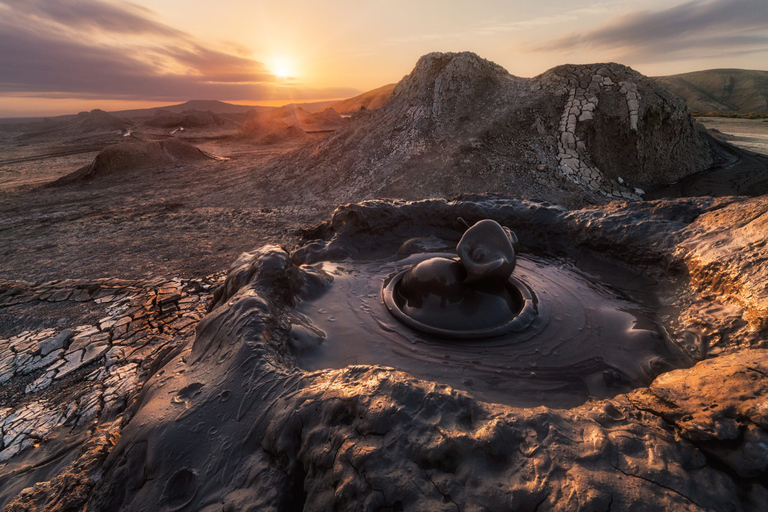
[{"x": 138, "y": 373}]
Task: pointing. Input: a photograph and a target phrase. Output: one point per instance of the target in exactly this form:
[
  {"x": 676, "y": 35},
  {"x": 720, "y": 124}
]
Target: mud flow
[{"x": 587, "y": 337}]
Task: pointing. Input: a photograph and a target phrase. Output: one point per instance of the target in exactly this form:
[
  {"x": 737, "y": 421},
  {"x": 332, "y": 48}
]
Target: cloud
[
  {"x": 696, "y": 28},
  {"x": 94, "y": 48},
  {"x": 93, "y": 15}
]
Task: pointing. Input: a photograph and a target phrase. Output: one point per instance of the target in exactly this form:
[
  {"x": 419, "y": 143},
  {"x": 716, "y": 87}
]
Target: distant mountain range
[
  {"x": 721, "y": 91},
  {"x": 215, "y": 106},
  {"x": 218, "y": 107},
  {"x": 370, "y": 100}
]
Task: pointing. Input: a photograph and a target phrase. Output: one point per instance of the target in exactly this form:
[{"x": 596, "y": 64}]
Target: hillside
[
  {"x": 721, "y": 90},
  {"x": 371, "y": 100},
  {"x": 462, "y": 124},
  {"x": 215, "y": 106}
]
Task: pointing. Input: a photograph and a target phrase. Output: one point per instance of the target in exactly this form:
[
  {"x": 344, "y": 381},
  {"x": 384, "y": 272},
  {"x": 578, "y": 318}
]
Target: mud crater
[{"x": 588, "y": 337}]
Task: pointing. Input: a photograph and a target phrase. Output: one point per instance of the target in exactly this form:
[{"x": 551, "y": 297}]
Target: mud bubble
[{"x": 470, "y": 297}]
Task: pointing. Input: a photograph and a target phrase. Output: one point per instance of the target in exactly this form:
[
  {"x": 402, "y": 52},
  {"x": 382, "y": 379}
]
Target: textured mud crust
[{"x": 239, "y": 427}]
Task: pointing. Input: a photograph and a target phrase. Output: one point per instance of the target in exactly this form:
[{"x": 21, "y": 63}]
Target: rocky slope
[
  {"x": 370, "y": 100},
  {"x": 459, "y": 123}
]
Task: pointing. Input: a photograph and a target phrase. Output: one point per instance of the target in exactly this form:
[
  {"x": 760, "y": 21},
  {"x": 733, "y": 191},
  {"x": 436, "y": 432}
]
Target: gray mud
[
  {"x": 587, "y": 338},
  {"x": 740, "y": 173}
]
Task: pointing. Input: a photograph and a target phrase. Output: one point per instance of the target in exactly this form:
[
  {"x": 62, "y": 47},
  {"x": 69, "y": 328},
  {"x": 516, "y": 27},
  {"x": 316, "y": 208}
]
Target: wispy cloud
[
  {"x": 95, "y": 15},
  {"x": 696, "y": 28},
  {"x": 97, "y": 48},
  {"x": 500, "y": 25}
]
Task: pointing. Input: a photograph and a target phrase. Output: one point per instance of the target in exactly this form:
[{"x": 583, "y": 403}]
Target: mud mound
[
  {"x": 289, "y": 114},
  {"x": 189, "y": 119},
  {"x": 164, "y": 119},
  {"x": 258, "y": 124},
  {"x": 88, "y": 124},
  {"x": 129, "y": 156},
  {"x": 290, "y": 122},
  {"x": 98, "y": 120},
  {"x": 620, "y": 126},
  {"x": 182, "y": 151},
  {"x": 270, "y": 128},
  {"x": 295, "y": 115},
  {"x": 459, "y": 123},
  {"x": 283, "y": 134},
  {"x": 328, "y": 119}
]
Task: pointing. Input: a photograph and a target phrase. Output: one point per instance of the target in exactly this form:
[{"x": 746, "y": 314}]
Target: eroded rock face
[
  {"x": 232, "y": 424},
  {"x": 620, "y": 133},
  {"x": 461, "y": 124}
]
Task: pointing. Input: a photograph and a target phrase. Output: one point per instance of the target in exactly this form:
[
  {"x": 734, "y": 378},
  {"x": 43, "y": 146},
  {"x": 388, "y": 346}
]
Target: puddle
[{"x": 587, "y": 338}]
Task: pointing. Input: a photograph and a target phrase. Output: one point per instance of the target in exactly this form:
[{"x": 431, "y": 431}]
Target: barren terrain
[
  {"x": 750, "y": 134},
  {"x": 156, "y": 302}
]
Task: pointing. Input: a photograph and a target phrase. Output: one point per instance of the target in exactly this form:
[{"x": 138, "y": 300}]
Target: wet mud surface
[
  {"x": 586, "y": 338},
  {"x": 743, "y": 173}
]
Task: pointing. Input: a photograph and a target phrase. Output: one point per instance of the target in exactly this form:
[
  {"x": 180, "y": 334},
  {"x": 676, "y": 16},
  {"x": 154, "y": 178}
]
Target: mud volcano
[
  {"x": 470, "y": 297},
  {"x": 235, "y": 421},
  {"x": 550, "y": 334}
]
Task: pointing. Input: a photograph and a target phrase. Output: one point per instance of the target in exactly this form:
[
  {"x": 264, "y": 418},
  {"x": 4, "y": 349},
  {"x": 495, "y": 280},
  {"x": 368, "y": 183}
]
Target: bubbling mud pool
[{"x": 587, "y": 338}]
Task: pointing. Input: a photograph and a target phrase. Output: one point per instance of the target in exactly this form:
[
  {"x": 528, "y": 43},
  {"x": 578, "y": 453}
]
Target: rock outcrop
[{"x": 619, "y": 129}]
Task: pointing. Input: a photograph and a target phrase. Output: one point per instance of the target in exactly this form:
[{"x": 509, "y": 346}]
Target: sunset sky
[{"x": 63, "y": 56}]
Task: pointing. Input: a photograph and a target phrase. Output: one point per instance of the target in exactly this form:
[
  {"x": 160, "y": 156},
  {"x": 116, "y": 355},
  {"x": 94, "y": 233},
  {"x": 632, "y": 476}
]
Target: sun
[{"x": 282, "y": 67}]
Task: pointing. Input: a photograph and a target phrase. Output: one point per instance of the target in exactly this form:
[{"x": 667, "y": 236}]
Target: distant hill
[
  {"x": 315, "y": 106},
  {"x": 189, "y": 119},
  {"x": 215, "y": 106},
  {"x": 721, "y": 90},
  {"x": 371, "y": 100},
  {"x": 97, "y": 120}
]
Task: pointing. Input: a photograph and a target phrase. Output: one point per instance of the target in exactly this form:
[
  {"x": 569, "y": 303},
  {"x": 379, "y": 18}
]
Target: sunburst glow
[{"x": 282, "y": 67}]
